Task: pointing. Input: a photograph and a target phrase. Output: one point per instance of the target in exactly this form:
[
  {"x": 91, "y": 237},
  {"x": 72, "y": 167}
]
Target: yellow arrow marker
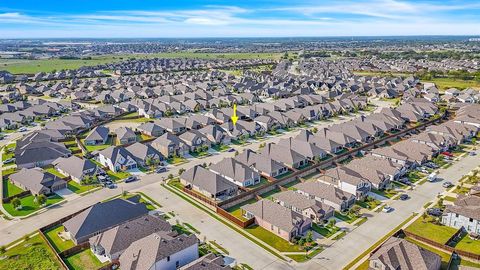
[{"x": 234, "y": 117}]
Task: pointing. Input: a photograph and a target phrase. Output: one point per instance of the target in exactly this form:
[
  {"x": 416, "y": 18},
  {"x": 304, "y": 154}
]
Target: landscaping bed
[{"x": 346, "y": 217}]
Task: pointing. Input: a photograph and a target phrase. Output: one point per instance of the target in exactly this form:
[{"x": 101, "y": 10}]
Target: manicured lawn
[
  {"x": 176, "y": 160},
  {"x": 237, "y": 211},
  {"x": 461, "y": 190},
  {"x": 142, "y": 137},
  {"x": 7, "y": 155},
  {"x": 200, "y": 154},
  {"x": 414, "y": 176},
  {"x": 450, "y": 199},
  {"x": 10, "y": 189},
  {"x": 83, "y": 260},
  {"x": 56, "y": 241},
  {"x": 116, "y": 176},
  {"x": 220, "y": 147},
  {"x": 79, "y": 188},
  {"x": 324, "y": 230},
  {"x": 468, "y": 244},
  {"x": 29, "y": 206},
  {"x": 99, "y": 147},
  {"x": 273, "y": 240},
  {"x": 345, "y": 217},
  {"x": 32, "y": 255},
  {"x": 304, "y": 258},
  {"x": 437, "y": 233},
  {"x": 385, "y": 193},
  {"x": 55, "y": 172},
  {"x": 175, "y": 183},
  {"x": 9, "y": 171},
  {"x": 371, "y": 204}
]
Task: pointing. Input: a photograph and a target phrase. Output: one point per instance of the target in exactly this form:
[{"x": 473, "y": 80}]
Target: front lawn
[
  {"x": 368, "y": 204},
  {"x": 220, "y": 147},
  {"x": 385, "y": 193},
  {"x": 83, "y": 260},
  {"x": 79, "y": 188},
  {"x": 34, "y": 254},
  {"x": 414, "y": 176},
  {"x": 438, "y": 233},
  {"x": 177, "y": 160},
  {"x": 116, "y": 176},
  {"x": 7, "y": 155},
  {"x": 273, "y": 240},
  {"x": 461, "y": 190},
  {"x": 200, "y": 154},
  {"x": 10, "y": 189},
  {"x": 29, "y": 205},
  {"x": 56, "y": 241},
  {"x": 325, "y": 231},
  {"x": 346, "y": 217}
]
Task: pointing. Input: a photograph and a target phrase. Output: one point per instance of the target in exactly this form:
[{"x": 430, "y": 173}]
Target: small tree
[
  {"x": 314, "y": 130},
  {"x": 332, "y": 222},
  {"x": 182, "y": 170},
  {"x": 236, "y": 153},
  {"x": 309, "y": 237},
  {"x": 16, "y": 203},
  {"x": 3, "y": 249},
  {"x": 355, "y": 210},
  {"x": 424, "y": 216},
  {"x": 41, "y": 199},
  {"x": 26, "y": 237},
  {"x": 170, "y": 176}
]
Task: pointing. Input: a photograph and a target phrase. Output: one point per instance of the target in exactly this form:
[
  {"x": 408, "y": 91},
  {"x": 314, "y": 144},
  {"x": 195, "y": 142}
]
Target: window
[
  {"x": 177, "y": 264},
  {"x": 168, "y": 258},
  {"x": 471, "y": 219}
]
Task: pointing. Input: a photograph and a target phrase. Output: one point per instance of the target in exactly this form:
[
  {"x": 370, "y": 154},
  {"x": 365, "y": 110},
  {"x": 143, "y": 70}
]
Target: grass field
[
  {"x": 20, "y": 66},
  {"x": 33, "y": 255},
  {"x": 437, "y": 233},
  {"x": 83, "y": 260},
  {"x": 58, "y": 243},
  {"x": 273, "y": 240},
  {"x": 445, "y": 83},
  {"x": 29, "y": 205},
  {"x": 468, "y": 244}
]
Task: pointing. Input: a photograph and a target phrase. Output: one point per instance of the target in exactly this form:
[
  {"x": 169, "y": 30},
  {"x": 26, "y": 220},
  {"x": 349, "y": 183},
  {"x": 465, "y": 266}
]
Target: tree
[
  {"x": 182, "y": 170},
  {"x": 314, "y": 130},
  {"x": 355, "y": 210},
  {"x": 332, "y": 222},
  {"x": 309, "y": 237},
  {"x": 424, "y": 216},
  {"x": 236, "y": 153},
  {"x": 16, "y": 203},
  {"x": 170, "y": 176},
  {"x": 41, "y": 199}
]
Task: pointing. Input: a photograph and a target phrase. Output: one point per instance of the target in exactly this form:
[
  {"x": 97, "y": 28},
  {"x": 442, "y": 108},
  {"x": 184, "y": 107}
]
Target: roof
[
  {"x": 207, "y": 262},
  {"x": 145, "y": 252},
  {"x": 35, "y": 179},
  {"x": 120, "y": 237},
  {"x": 103, "y": 216},
  {"x": 233, "y": 169},
  {"x": 397, "y": 253},
  {"x": 98, "y": 133},
  {"x": 75, "y": 166},
  {"x": 300, "y": 201},
  {"x": 325, "y": 191},
  {"x": 207, "y": 180},
  {"x": 468, "y": 206}
]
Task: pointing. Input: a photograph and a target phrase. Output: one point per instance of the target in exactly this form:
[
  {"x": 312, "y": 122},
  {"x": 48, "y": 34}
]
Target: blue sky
[{"x": 255, "y": 18}]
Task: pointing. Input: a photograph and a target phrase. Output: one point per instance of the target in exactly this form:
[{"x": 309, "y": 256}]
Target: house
[
  {"x": 113, "y": 242},
  {"x": 170, "y": 145},
  {"x": 172, "y": 125},
  {"x": 216, "y": 134},
  {"x": 98, "y": 135},
  {"x": 151, "y": 129},
  {"x": 347, "y": 180},
  {"x": 103, "y": 216},
  {"x": 306, "y": 149},
  {"x": 378, "y": 171},
  {"x": 39, "y": 149},
  {"x": 195, "y": 140},
  {"x": 236, "y": 172},
  {"x": 37, "y": 181},
  {"x": 160, "y": 250},
  {"x": 145, "y": 154},
  {"x": 309, "y": 208},
  {"x": 327, "y": 194},
  {"x": 208, "y": 183},
  {"x": 125, "y": 135},
  {"x": 117, "y": 158},
  {"x": 465, "y": 212},
  {"x": 397, "y": 253},
  {"x": 285, "y": 155},
  {"x": 277, "y": 219},
  {"x": 76, "y": 168}
]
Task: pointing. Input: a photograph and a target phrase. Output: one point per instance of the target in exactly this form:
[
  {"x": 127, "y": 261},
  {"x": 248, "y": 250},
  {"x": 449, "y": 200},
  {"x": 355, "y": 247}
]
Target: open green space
[
  {"x": 273, "y": 240},
  {"x": 83, "y": 260},
  {"x": 56, "y": 241},
  {"x": 445, "y": 83},
  {"x": 34, "y": 254},
  {"x": 29, "y": 205},
  {"x": 438, "y": 233},
  {"x": 10, "y": 189}
]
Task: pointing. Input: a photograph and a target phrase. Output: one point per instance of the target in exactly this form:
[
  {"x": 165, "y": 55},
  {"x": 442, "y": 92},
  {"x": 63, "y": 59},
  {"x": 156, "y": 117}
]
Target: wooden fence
[
  {"x": 62, "y": 263},
  {"x": 235, "y": 220},
  {"x": 74, "y": 250},
  {"x": 19, "y": 195}
]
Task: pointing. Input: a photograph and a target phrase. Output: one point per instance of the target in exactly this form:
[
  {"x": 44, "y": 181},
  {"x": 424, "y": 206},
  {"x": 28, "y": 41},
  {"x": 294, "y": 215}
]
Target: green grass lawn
[
  {"x": 29, "y": 206},
  {"x": 385, "y": 193},
  {"x": 237, "y": 211},
  {"x": 99, "y": 147},
  {"x": 58, "y": 243},
  {"x": 116, "y": 176},
  {"x": 273, "y": 240},
  {"x": 445, "y": 83},
  {"x": 83, "y": 260},
  {"x": 371, "y": 204},
  {"x": 437, "y": 233},
  {"x": 220, "y": 148},
  {"x": 55, "y": 172},
  {"x": 468, "y": 244},
  {"x": 177, "y": 160},
  {"x": 79, "y": 188},
  {"x": 461, "y": 190},
  {"x": 450, "y": 199},
  {"x": 10, "y": 189},
  {"x": 324, "y": 230},
  {"x": 345, "y": 217},
  {"x": 414, "y": 176},
  {"x": 7, "y": 155},
  {"x": 34, "y": 254},
  {"x": 200, "y": 154},
  {"x": 304, "y": 258}
]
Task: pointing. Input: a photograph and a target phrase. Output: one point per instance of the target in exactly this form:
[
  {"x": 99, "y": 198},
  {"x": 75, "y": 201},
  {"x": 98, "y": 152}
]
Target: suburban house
[
  {"x": 173, "y": 125},
  {"x": 465, "y": 212},
  {"x": 207, "y": 262},
  {"x": 194, "y": 139},
  {"x": 236, "y": 172},
  {"x": 327, "y": 194},
  {"x": 103, "y": 216},
  {"x": 76, "y": 168},
  {"x": 113, "y": 242},
  {"x": 277, "y": 219},
  {"x": 216, "y": 134},
  {"x": 347, "y": 180},
  {"x": 306, "y": 149},
  {"x": 309, "y": 208},
  {"x": 170, "y": 145},
  {"x": 397, "y": 253},
  {"x": 160, "y": 250},
  {"x": 117, "y": 158},
  {"x": 145, "y": 154},
  {"x": 151, "y": 129},
  {"x": 261, "y": 163},
  {"x": 125, "y": 135},
  {"x": 38, "y": 149},
  {"x": 37, "y": 181},
  {"x": 208, "y": 183},
  {"x": 285, "y": 155},
  {"x": 98, "y": 135}
]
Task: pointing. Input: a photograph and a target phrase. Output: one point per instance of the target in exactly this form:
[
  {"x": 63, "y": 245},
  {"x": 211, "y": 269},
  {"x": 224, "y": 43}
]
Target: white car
[
  {"x": 22, "y": 129},
  {"x": 387, "y": 209}
]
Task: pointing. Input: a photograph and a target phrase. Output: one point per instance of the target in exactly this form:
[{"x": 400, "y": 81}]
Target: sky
[{"x": 254, "y": 18}]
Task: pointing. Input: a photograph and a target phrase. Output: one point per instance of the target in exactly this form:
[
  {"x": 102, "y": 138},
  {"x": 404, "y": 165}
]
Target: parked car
[
  {"x": 421, "y": 169},
  {"x": 404, "y": 197},
  {"x": 436, "y": 212},
  {"x": 387, "y": 209},
  {"x": 130, "y": 179},
  {"x": 22, "y": 129},
  {"x": 448, "y": 154},
  {"x": 472, "y": 153},
  {"x": 111, "y": 186},
  {"x": 431, "y": 165},
  {"x": 231, "y": 150},
  {"x": 10, "y": 160},
  {"x": 432, "y": 177},
  {"x": 161, "y": 170},
  {"x": 447, "y": 184}
]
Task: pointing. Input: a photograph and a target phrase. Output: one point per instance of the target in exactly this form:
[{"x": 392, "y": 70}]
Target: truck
[{"x": 432, "y": 177}]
